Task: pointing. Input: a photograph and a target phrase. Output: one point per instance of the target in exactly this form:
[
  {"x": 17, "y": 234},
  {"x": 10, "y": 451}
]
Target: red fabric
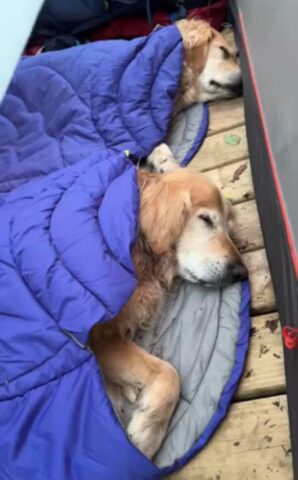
[
  {"x": 35, "y": 49},
  {"x": 290, "y": 335},
  {"x": 136, "y": 26},
  {"x": 215, "y": 14},
  {"x": 129, "y": 27}
]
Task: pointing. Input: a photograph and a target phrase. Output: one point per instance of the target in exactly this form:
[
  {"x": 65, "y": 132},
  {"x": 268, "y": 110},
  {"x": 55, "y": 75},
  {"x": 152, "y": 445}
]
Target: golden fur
[
  {"x": 169, "y": 205},
  {"x": 196, "y": 36},
  {"x": 199, "y": 41},
  {"x": 210, "y": 71},
  {"x": 184, "y": 232}
]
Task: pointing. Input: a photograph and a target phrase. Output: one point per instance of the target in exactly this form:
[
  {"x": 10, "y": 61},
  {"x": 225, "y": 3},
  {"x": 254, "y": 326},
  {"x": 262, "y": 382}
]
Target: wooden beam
[
  {"x": 219, "y": 150},
  {"x": 264, "y": 371},
  {"x": 263, "y": 298},
  {"x": 234, "y": 181},
  {"x": 252, "y": 444},
  {"x": 247, "y": 232},
  {"x": 225, "y": 115}
]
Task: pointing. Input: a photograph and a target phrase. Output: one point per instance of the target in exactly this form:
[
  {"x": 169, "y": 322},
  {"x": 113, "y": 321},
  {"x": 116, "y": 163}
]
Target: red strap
[{"x": 290, "y": 335}]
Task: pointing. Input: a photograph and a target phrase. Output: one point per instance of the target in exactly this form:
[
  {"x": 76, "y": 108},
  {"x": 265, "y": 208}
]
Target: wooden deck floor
[{"x": 253, "y": 442}]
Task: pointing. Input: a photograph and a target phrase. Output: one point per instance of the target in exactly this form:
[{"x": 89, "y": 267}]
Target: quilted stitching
[{"x": 69, "y": 218}]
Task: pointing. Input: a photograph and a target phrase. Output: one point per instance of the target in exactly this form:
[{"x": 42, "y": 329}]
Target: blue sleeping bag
[{"x": 69, "y": 216}]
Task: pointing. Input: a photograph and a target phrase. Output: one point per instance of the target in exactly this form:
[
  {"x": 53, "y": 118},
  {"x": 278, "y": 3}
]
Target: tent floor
[{"x": 253, "y": 442}]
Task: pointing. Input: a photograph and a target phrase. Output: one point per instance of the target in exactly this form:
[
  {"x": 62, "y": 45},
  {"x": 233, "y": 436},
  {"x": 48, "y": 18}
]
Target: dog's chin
[
  {"x": 215, "y": 281},
  {"x": 236, "y": 90},
  {"x": 232, "y": 90}
]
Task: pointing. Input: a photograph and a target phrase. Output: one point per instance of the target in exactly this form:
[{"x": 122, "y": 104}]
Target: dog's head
[
  {"x": 183, "y": 211},
  {"x": 212, "y": 59}
]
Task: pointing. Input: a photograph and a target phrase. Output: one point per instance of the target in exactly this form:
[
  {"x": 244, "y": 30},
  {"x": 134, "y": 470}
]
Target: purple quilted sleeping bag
[
  {"x": 69, "y": 207},
  {"x": 68, "y": 216}
]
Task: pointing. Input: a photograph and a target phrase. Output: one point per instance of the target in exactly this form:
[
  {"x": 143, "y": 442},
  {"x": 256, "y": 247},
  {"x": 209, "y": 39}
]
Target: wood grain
[
  {"x": 234, "y": 181},
  {"x": 225, "y": 115},
  {"x": 247, "y": 232},
  {"x": 216, "y": 152},
  {"x": 264, "y": 371},
  {"x": 263, "y": 298},
  {"x": 252, "y": 444}
]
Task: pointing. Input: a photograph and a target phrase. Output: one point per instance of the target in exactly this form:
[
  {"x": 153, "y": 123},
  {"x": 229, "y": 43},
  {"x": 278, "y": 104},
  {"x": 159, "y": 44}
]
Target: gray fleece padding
[
  {"x": 184, "y": 131},
  {"x": 197, "y": 333}
]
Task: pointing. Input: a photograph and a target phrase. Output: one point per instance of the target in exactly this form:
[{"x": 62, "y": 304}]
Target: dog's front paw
[
  {"x": 146, "y": 436},
  {"x": 155, "y": 406},
  {"x": 161, "y": 160},
  {"x": 130, "y": 392}
]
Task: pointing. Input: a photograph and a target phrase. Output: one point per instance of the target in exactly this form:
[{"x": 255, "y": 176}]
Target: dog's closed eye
[
  {"x": 215, "y": 84},
  {"x": 226, "y": 53},
  {"x": 206, "y": 219}
]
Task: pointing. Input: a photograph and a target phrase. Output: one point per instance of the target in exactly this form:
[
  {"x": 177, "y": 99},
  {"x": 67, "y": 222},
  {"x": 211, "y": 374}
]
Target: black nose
[
  {"x": 237, "y": 89},
  {"x": 238, "y": 272}
]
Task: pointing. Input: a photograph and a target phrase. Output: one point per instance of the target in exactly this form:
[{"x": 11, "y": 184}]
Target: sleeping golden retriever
[
  {"x": 184, "y": 232},
  {"x": 210, "y": 71}
]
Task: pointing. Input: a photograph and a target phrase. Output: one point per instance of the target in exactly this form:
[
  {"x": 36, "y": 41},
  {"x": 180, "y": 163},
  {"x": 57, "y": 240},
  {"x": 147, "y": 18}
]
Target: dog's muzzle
[
  {"x": 236, "y": 272},
  {"x": 237, "y": 89}
]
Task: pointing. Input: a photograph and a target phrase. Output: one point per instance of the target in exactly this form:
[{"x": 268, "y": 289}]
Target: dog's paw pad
[{"x": 162, "y": 160}]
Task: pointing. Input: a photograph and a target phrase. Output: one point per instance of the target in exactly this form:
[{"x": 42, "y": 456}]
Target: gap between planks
[
  {"x": 235, "y": 182},
  {"x": 252, "y": 443},
  {"x": 262, "y": 293},
  {"x": 225, "y": 115},
  {"x": 216, "y": 150},
  {"x": 226, "y": 119},
  {"x": 264, "y": 374}
]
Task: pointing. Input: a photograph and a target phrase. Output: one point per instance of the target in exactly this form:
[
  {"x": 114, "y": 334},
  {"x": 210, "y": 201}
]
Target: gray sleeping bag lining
[{"x": 197, "y": 333}]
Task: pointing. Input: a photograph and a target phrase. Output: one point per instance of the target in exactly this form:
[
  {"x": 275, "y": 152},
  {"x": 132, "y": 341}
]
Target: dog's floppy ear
[
  {"x": 196, "y": 35},
  {"x": 164, "y": 210}
]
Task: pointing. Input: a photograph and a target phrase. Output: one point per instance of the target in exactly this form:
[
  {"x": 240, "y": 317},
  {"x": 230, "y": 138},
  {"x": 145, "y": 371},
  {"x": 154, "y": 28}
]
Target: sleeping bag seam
[
  {"x": 46, "y": 360},
  {"x": 153, "y": 84},
  {"x": 57, "y": 257},
  {"x": 117, "y": 92},
  {"x": 88, "y": 108},
  {"x": 13, "y": 256},
  {"x": 109, "y": 253},
  {"x": 26, "y": 108},
  {"x": 199, "y": 138},
  {"x": 203, "y": 376},
  {"x": 90, "y": 239},
  {"x": 55, "y": 379},
  {"x": 132, "y": 134},
  {"x": 230, "y": 385}
]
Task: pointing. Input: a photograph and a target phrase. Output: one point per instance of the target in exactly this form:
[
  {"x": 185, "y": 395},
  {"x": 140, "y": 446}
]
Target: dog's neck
[
  {"x": 152, "y": 266},
  {"x": 189, "y": 89}
]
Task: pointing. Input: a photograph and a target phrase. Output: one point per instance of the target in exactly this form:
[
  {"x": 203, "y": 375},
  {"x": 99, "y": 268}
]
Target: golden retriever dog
[
  {"x": 184, "y": 233},
  {"x": 210, "y": 71}
]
